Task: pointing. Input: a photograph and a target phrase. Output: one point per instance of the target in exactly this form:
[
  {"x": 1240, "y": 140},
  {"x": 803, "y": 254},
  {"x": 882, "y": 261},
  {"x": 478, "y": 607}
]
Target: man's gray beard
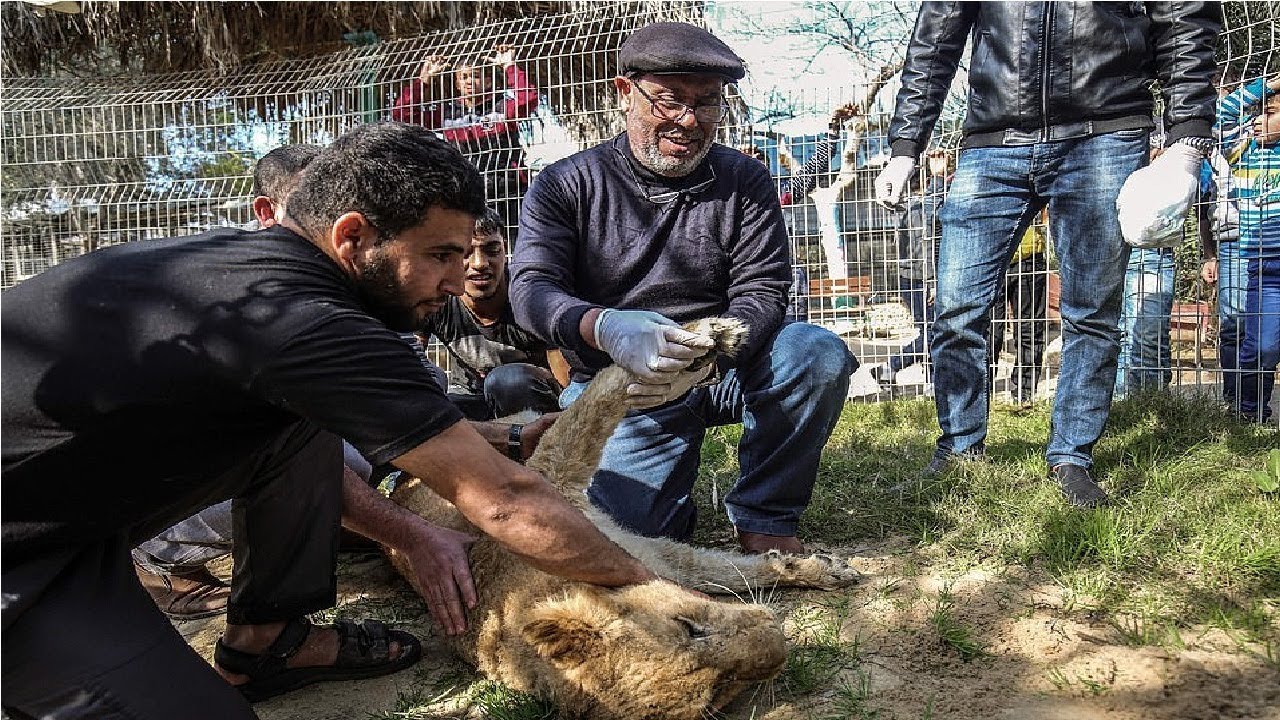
[{"x": 666, "y": 165}]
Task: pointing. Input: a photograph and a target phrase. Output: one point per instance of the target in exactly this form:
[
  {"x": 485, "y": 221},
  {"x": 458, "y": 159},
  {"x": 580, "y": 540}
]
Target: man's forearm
[
  {"x": 520, "y": 509},
  {"x": 495, "y": 434},
  {"x": 368, "y": 512},
  {"x": 587, "y": 327},
  {"x": 555, "y": 537}
]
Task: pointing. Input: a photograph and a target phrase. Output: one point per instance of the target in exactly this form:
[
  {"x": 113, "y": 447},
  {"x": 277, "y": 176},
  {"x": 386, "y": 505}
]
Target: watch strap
[
  {"x": 515, "y": 445},
  {"x": 1203, "y": 144}
]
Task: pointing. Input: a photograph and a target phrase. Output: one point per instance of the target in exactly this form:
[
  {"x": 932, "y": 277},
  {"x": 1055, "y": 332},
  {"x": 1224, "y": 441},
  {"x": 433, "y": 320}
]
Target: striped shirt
[{"x": 1254, "y": 186}]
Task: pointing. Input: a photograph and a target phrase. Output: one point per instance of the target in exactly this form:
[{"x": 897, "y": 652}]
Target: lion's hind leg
[{"x": 719, "y": 571}]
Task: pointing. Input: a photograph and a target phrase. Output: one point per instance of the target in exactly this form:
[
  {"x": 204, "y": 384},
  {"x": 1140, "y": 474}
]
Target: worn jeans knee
[{"x": 788, "y": 399}]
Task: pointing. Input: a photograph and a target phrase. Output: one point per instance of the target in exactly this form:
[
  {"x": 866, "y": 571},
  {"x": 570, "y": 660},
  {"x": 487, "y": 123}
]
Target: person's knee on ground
[{"x": 515, "y": 387}]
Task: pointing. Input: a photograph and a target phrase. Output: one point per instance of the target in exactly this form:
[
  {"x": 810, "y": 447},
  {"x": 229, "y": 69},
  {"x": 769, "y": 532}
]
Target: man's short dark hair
[
  {"x": 489, "y": 223},
  {"x": 278, "y": 172},
  {"x": 390, "y": 172}
]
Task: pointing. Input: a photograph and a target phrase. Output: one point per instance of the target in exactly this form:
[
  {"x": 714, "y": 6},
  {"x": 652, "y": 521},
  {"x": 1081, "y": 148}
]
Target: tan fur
[{"x": 643, "y": 652}]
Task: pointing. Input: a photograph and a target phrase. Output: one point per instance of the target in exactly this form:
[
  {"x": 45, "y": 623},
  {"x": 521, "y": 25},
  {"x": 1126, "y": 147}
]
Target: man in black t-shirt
[
  {"x": 145, "y": 381},
  {"x": 173, "y": 566},
  {"x": 498, "y": 368}
]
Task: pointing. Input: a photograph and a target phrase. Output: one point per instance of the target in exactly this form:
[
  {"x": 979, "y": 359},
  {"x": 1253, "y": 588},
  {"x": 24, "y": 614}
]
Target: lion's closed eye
[{"x": 695, "y": 631}]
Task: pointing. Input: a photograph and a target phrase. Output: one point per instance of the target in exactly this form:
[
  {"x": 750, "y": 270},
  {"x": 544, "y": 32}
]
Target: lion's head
[{"x": 651, "y": 651}]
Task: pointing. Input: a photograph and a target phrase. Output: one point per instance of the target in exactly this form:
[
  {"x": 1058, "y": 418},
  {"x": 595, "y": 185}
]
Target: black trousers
[
  {"x": 82, "y": 639},
  {"x": 1026, "y": 292}
]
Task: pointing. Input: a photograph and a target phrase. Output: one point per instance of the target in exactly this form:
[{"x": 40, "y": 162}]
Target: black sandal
[{"x": 364, "y": 651}]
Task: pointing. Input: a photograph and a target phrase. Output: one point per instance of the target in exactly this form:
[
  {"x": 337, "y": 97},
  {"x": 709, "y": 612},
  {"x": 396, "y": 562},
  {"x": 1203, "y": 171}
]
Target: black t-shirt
[
  {"x": 132, "y": 373},
  {"x": 476, "y": 349}
]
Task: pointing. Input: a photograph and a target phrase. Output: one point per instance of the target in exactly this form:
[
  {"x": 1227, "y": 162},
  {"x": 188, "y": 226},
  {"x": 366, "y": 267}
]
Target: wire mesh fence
[{"x": 117, "y": 159}]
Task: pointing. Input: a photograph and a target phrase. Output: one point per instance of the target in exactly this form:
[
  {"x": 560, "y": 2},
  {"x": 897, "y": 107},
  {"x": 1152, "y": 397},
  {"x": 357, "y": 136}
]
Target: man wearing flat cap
[{"x": 658, "y": 226}]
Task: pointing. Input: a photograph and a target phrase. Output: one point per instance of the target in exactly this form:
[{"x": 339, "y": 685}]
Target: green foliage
[
  {"x": 951, "y": 631},
  {"x": 851, "y": 700},
  {"x": 500, "y": 703},
  {"x": 1268, "y": 479},
  {"x": 820, "y": 652},
  {"x": 237, "y": 166}
]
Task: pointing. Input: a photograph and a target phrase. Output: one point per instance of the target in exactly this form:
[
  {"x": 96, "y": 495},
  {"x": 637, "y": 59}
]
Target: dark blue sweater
[{"x": 598, "y": 230}]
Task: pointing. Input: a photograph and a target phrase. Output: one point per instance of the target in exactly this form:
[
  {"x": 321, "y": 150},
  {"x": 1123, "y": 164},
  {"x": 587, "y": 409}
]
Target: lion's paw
[
  {"x": 728, "y": 333},
  {"x": 825, "y": 572}
]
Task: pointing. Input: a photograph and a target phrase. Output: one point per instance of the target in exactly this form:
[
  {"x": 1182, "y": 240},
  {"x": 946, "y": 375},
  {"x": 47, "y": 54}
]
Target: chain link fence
[{"x": 96, "y": 162}]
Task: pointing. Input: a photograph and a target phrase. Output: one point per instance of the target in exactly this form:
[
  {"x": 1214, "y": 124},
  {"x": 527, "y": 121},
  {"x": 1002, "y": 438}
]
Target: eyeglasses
[
  {"x": 666, "y": 196},
  {"x": 673, "y": 111}
]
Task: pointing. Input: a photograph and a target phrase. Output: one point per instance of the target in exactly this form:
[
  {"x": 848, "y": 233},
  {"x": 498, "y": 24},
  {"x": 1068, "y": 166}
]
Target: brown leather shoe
[
  {"x": 759, "y": 543},
  {"x": 186, "y": 595}
]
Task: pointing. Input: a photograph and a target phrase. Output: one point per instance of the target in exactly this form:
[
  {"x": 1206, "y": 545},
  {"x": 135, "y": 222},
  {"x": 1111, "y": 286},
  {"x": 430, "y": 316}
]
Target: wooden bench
[{"x": 856, "y": 288}]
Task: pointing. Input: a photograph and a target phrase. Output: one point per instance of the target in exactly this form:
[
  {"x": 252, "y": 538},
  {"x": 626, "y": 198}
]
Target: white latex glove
[
  {"x": 1154, "y": 201},
  {"x": 641, "y": 396},
  {"x": 648, "y": 345},
  {"x": 891, "y": 183}
]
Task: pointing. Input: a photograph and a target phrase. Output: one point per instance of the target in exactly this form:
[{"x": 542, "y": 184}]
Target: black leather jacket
[{"x": 1043, "y": 71}]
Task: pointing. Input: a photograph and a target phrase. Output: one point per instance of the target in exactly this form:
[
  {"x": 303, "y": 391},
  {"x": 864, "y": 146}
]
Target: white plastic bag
[{"x": 1154, "y": 201}]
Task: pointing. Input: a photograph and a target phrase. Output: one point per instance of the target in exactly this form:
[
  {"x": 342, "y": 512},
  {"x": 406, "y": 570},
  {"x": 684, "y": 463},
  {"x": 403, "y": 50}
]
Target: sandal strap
[
  {"x": 289, "y": 641},
  {"x": 273, "y": 659},
  {"x": 361, "y": 644}
]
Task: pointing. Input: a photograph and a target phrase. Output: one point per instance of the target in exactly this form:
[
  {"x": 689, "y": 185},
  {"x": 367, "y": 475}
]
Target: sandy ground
[{"x": 1045, "y": 659}]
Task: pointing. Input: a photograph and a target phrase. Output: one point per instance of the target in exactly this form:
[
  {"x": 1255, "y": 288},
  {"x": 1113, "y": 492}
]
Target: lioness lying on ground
[{"x": 646, "y": 651}]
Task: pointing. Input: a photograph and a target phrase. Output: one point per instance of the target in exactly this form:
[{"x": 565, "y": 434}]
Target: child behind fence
[{"x": 1255, "y": 191}]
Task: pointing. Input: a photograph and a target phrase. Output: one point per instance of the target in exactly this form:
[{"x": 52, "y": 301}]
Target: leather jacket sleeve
[
  {"x": 1185, "y": 35},
  {"x": 937, "y": 41}
]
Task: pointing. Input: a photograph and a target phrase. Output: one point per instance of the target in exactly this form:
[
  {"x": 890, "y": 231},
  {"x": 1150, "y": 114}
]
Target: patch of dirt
[{"x": 1041, "y": 658}]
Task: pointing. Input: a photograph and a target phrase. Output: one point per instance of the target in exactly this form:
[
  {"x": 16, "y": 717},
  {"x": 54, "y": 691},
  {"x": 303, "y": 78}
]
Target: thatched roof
[{"x": 162, "y": 37}]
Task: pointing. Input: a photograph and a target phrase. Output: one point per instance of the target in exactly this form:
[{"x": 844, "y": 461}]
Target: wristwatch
[
  {"x": 1202, "y": 144},
  {"x": 515, "y": 446}
]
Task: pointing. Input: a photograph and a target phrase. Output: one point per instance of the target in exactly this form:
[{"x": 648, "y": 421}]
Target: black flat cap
[{"x": 673, "y": 47}]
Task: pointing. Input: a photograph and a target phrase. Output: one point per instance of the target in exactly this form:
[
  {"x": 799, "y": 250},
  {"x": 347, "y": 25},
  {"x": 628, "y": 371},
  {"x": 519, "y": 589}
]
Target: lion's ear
[{"x": 564, "y": 635}]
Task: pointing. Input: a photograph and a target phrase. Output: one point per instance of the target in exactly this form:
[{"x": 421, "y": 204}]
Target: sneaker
[
  {"x": 187, "y": 594},
  {"x": 1078, "y": 486}
]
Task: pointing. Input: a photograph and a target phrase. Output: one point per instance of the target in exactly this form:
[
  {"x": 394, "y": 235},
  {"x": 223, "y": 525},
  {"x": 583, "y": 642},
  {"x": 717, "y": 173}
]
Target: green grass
[
  {"x": 852, "y": 699},
  {"x": 499, "y": 703},
  {"x": 951, "y": 632},
  {"x": 425, "y": 698},
  {"x": 819, "y": 651},
  {"x": 1189, "y": 539}
]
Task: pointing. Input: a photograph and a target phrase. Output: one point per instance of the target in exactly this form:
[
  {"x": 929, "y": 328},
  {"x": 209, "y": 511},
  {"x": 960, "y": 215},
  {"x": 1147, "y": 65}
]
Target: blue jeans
[
  {"x": 1233, "y": 279},
  {"x": 788, "y": 400},
  {"x": 996, "y": 193},
  {"x": 509, "y": 389},
  {"x": 1145, "y": 356},
  {"x": 1260, "y": 351},
  {"x": 915, "y": 292}
]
